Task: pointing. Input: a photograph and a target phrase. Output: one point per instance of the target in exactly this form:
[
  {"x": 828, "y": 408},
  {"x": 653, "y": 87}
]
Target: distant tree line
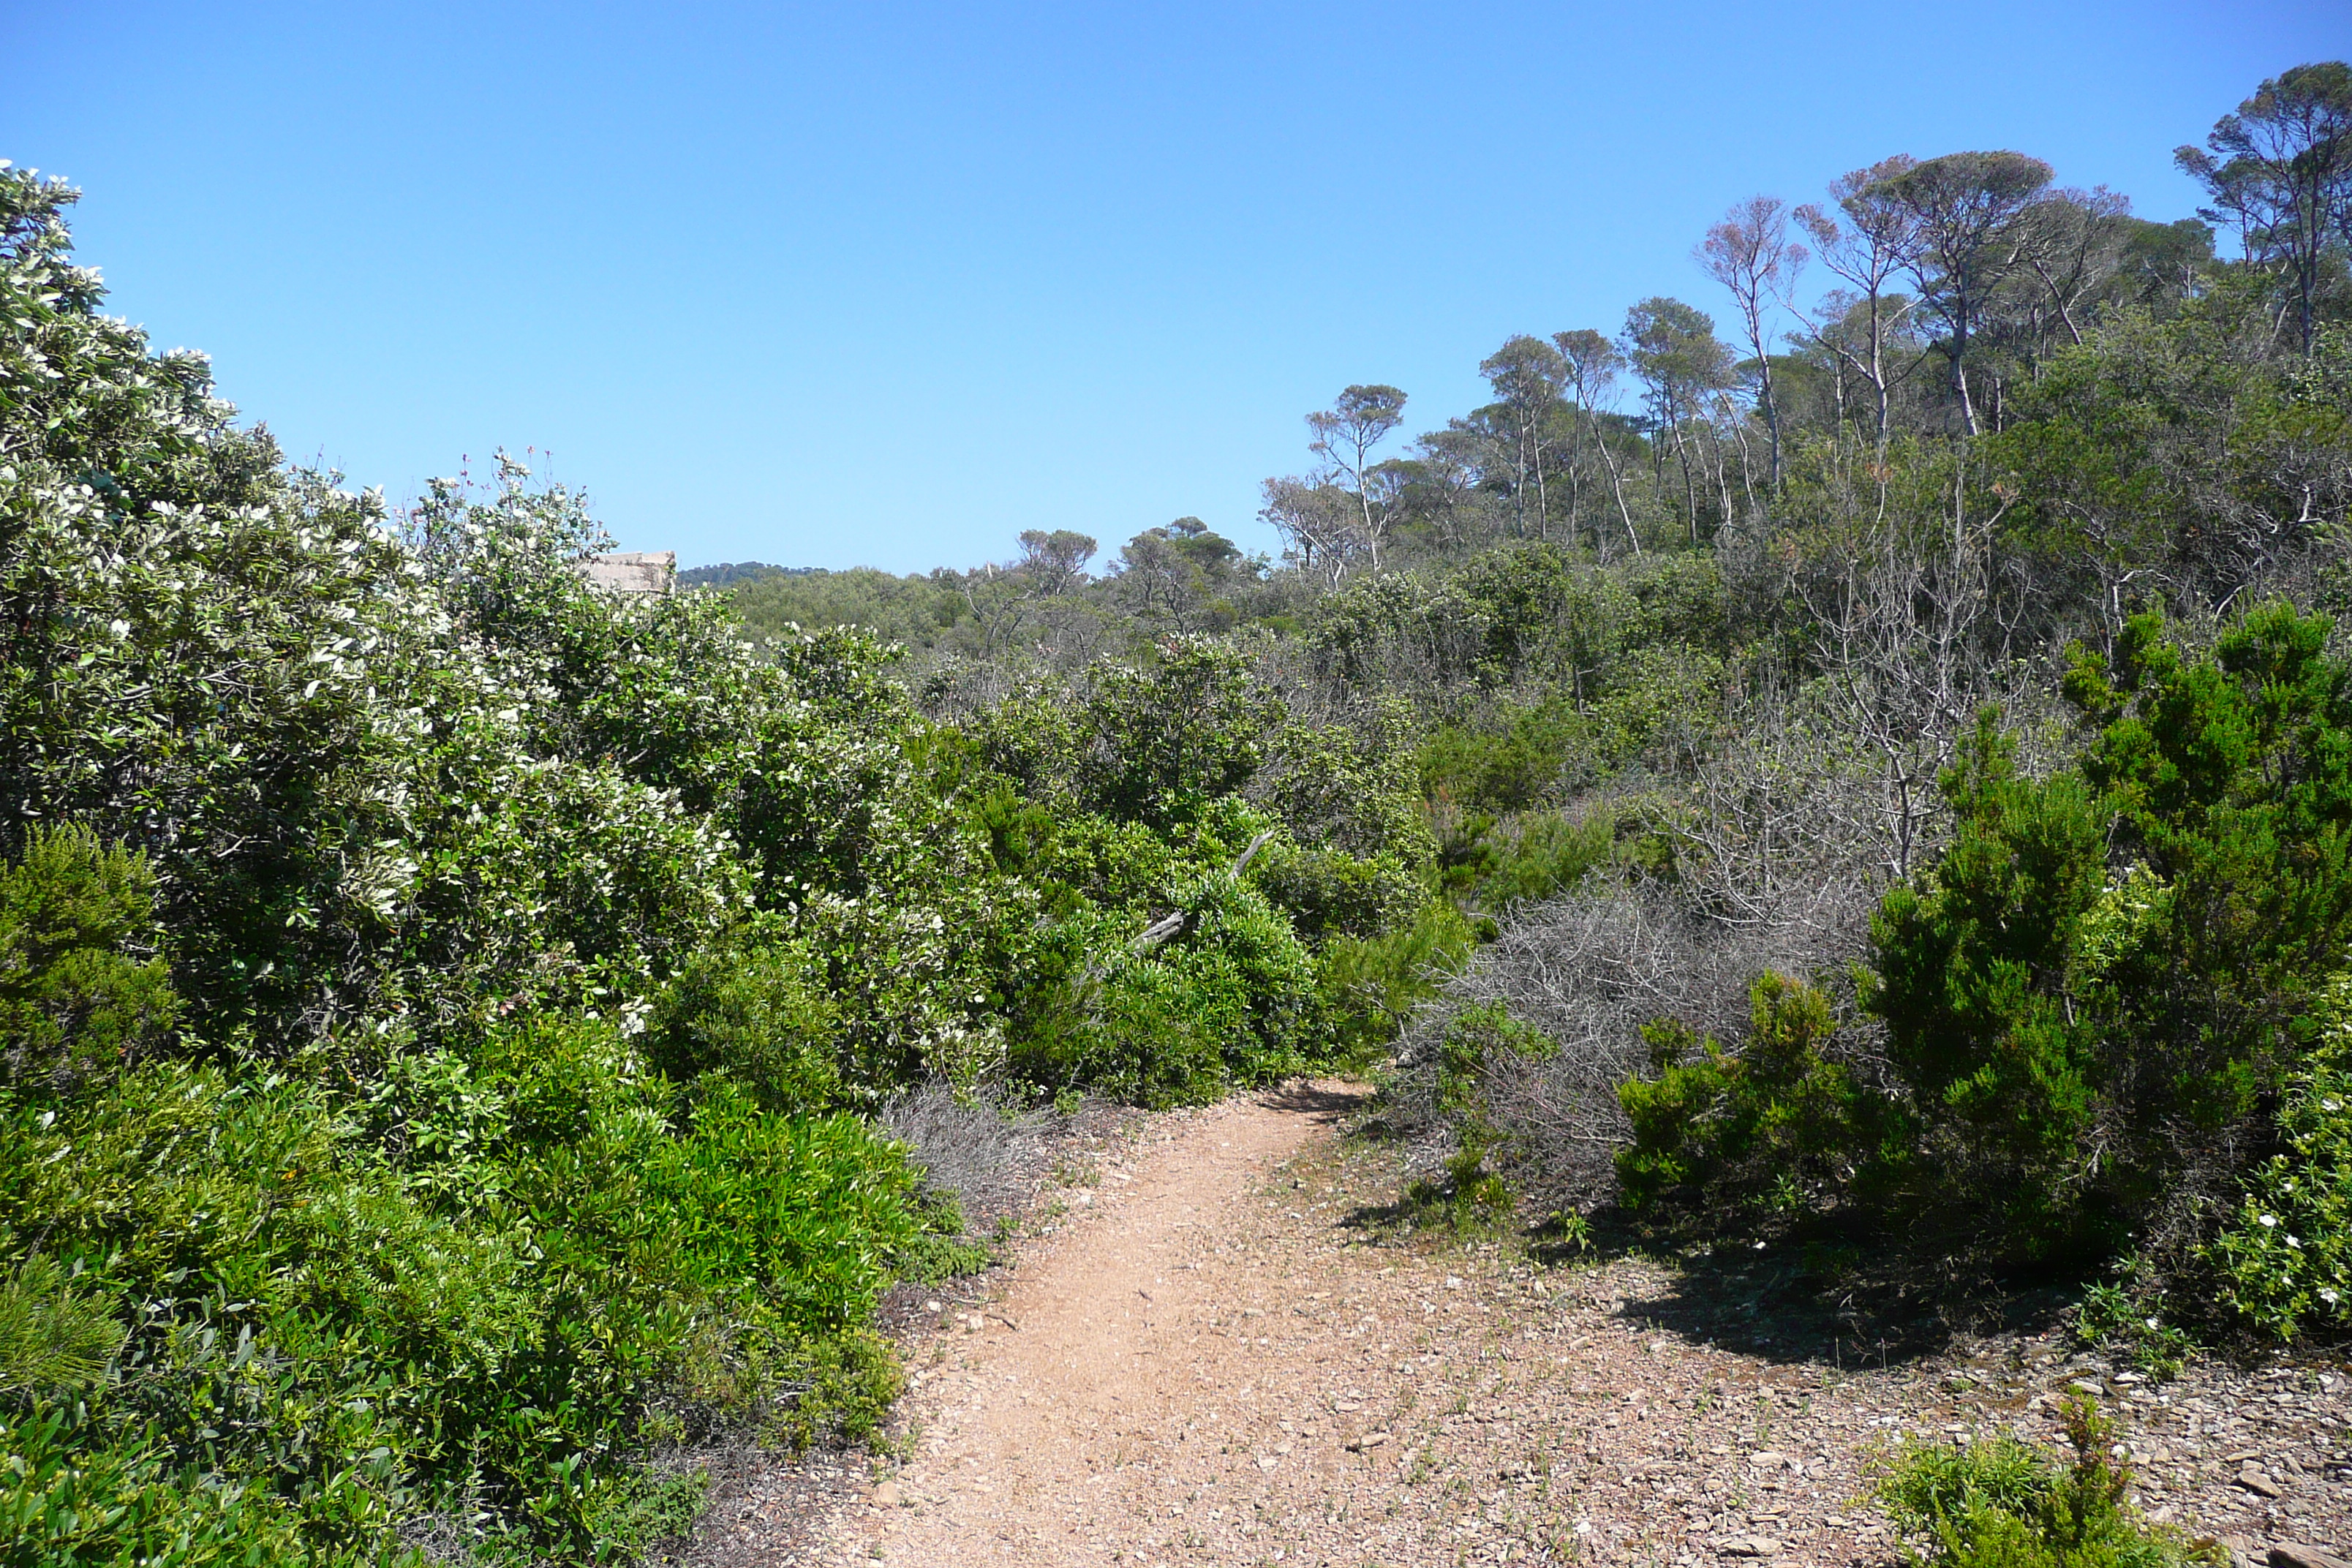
[{"x": 728, "y": 573}]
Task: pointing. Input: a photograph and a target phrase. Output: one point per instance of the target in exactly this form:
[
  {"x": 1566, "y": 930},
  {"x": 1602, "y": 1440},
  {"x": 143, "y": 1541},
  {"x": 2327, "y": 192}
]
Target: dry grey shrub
[
  {"x": 952, "y": 689},
  {"x": 985, "y": 1152},
  {"x": 1587, "y": 970},
  {"x": 1784, "y": 842}
]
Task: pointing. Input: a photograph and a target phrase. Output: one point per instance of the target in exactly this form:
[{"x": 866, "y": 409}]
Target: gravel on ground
[{"x": 1204, "y": 1353}]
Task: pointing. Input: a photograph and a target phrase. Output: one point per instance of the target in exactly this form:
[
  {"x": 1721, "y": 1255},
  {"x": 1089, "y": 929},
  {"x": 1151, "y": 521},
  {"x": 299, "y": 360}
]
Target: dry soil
[{"x": 1206, "y": 1355}]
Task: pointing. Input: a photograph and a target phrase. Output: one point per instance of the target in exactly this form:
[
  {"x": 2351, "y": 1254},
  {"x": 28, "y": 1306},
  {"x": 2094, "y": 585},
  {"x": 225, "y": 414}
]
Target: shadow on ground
[
  {"x": 1324, "y": 1103},
  {"x": 1783, "y": 1303},
  {"x": 1790, "y": 1304}
]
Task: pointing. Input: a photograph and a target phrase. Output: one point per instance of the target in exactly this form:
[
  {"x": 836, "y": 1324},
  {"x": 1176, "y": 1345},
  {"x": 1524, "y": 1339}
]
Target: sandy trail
[
  {"x": 1206, "y": 1363},
  {"x": 1129, "y": 1371}
]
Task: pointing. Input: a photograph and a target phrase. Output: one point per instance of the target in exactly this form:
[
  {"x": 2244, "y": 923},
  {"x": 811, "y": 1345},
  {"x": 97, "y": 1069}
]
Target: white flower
[{"x": 2269, "y": 1221}]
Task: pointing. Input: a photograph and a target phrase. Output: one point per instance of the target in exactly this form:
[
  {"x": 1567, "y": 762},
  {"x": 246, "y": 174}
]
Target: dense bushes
[
  {"x": 1974, "y": 897},
  {"x": 2112, "y": 997},
  {"x": 441, "y": 1002},
  {"x": 75, "y": 1492},
  {"x": 495, "y": 1276}
]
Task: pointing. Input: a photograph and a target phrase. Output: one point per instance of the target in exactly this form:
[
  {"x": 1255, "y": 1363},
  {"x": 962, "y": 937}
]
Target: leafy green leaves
[{"x": 1761, "y": 1137}]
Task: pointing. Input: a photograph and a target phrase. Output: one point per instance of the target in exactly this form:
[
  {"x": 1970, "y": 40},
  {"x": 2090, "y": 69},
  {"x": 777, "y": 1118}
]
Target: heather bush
[
  {"x": 2003, "y": 1503},
  {"x": 1763, "y": 1134},
  {"x": 75, "y": 1001}
]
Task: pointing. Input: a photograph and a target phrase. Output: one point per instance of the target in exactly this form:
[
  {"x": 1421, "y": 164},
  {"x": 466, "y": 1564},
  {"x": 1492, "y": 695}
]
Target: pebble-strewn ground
[{"x": 1206, "y": 1361}]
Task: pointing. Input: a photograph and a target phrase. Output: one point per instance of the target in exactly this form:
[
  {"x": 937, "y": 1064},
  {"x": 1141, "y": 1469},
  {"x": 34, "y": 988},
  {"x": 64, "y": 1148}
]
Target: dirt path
[
  {"x": 1203, "y": 1364},
  {"x": 1113, "y": 1392}
]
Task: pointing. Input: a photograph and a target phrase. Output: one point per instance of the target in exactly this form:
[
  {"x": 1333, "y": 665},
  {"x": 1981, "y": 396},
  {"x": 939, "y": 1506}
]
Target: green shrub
[
  {"x": 281, "y": 1281},
  {"x": 841, "y": 1386},
  {"x": 1238, "y": 941},
  {"x": 1332, "y": 897},
  {"x": 2118, "y": 955},
  {"x": 1475, "y": 1040},
  {"x": 1370, "y": 985},
  {"x": 2128, "y": 1318},
  {"x": 942, "y": 1247},
  {"x": 1472, "y": 1196},
  {"x": 1162, "y": 1035},
  {"x": 1493, "y": 866},
  {"x": 798, "y": 1213},
  {"x": 2005, "y": 1064},
  {"x": 74, "y": 1003},
  {"x": 493, "y": 1276},
  {"x": 2111, "y": 982},
  {"x": 52, "y": 1337},
  {"x": 1663, "y": 703},
  {"x": 1532, "y": 756},
  {"x": 1228, "y": 997},
  {"x": 75, "y": 1492},
  {"x": 1768, "y": 1133},
  {"x": 2002, "y": 1503},
  {"x": 757, "y": 1015},
  {"x": 1157, "y": 745},
  {"x": 2284, "y": 1256},
  {"x": 1109, "y": 862},
  {"x": 649, "y": 1505}
]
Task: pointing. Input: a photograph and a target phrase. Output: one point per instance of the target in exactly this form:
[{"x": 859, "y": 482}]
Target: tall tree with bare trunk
[
  {"x": 1526, "y": 375},
  {"x": 1592, "y": 362},
  {"x": 2280, "y": 170},
  {"x": 1873, "y": 243},
  {"x": 1751, "y": 255},
  {"x": 1345, "y": 434},
  {"x": 1964, "y": 206}
]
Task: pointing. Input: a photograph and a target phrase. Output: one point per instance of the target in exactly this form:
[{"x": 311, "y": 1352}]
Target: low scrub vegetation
[
  {"x": 468, "y": 1040},
  {"x": 2003, "y": 1503},
  {"x": 1969, "y": 913}
]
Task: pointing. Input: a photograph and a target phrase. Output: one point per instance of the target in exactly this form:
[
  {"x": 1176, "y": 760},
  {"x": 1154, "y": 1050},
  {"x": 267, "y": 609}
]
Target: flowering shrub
[
  {"x": 2286, "y": 1256},
  {"x": 441, "y": 1003}
]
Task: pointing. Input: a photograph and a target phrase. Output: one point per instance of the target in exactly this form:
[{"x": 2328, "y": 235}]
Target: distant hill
[{"x": 729, "y": 574}]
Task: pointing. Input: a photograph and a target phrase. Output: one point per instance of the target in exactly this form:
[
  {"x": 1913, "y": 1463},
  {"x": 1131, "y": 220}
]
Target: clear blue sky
[{"x": 886, "y": 283}]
